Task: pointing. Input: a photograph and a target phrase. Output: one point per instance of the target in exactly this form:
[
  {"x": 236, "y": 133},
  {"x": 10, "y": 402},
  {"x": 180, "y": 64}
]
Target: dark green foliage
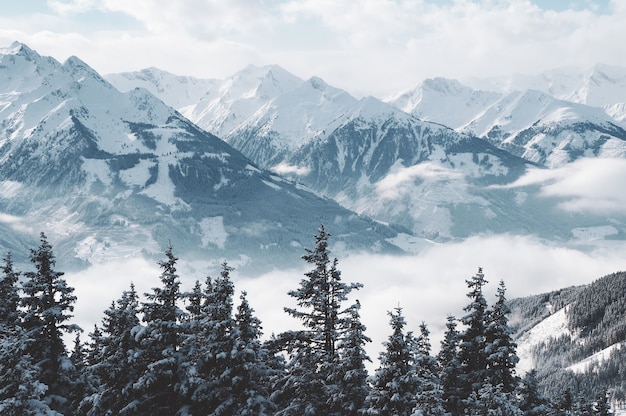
[{"x": 448, "y": 359}]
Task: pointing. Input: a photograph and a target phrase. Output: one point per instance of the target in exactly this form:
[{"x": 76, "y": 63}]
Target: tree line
[{"x": 208, "y": 357}]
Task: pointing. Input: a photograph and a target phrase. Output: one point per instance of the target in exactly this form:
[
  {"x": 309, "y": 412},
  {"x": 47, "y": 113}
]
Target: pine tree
[
  {"x": 156, "y": 389},
  {"x": 250, "y": 373},
  {"x": 448, "y": 359},
  {"x": 395, "y": 381},
  {"x": 531, "y": 401},
  {"x": 353, "y": 389},
  {"x": 490, "y": 400},
  {"x": 309, "y": 384},
  {"x": 500, "y": 347},
  {"x": 208, "y": 348},
  {"x": 21, "y": 392},
  {"x": 472, "y": 353},
  {"x": 9, "y": 295},
  {"x": 114, "y": 358},
  {"x": 429, "y": 395},
  {"x": 47, "y": 302}
]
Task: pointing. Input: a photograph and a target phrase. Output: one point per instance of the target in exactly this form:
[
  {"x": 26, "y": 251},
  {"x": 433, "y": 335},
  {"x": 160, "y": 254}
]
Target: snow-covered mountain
[
  {"x": 409, "y": 169},
  {"x": 107, "y": 174},
  {"x": 597, "y": 86},
  {"x": 528, "y": 123},
  {"x": 444, "y": 101}
]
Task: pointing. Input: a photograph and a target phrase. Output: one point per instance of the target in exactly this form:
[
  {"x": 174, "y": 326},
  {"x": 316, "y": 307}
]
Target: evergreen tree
[
  {"x": 448, "y": 359},
  {"x": 208, "y": 347},
  {"x": 353, "y": 389},
  {"x": 395, "y": 382},
  {"x": 250, "y": 373},
  {"x": 531, "y": 401},
  {"x": 115, "y": 358},
  {"x": 21, "y": 392},
  {"x": 490, "y": 400},
  {"x": 309, "y": 383},
  {"x": 156, "y": 389},
  {"x": 47, "y": 302},
  {"x": 472, "y": 352},
  {"x": 500, "y": 347},
  {"x": 429, "y": 395},
  {"x": 9, "y": 295},
  {"x": 602, "y": 407},
  {"x": 563, "y": 406}
]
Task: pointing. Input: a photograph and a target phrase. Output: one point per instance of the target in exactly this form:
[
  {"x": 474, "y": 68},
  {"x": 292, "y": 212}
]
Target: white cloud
[
  {"x": 587, "y": 185},
  {"x": 394, "y": 184},
  {"x": 371, "y": 47},
  {"x": 284, "y": 168}
]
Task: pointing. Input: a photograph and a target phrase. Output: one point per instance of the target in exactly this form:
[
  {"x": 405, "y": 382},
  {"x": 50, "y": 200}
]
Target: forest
[{"x": 202, "y": 352}]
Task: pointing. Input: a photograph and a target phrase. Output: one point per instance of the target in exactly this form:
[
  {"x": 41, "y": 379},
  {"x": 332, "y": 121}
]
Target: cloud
[
  {"x": 394, "y": 184},
  {"x": 594, "y": 185},
  {"x": 284, "y": 168},
  {"x": 428, "y": 286},
  {"x": 372, "y": 47}
]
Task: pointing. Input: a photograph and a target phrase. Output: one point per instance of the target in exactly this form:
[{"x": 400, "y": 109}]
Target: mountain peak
[{"x": 18, "y": 48}]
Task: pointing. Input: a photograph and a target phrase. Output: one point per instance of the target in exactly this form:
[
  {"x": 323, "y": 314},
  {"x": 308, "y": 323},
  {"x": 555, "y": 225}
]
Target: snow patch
[
  {"x": 8, "y": 189},
  {"x": 552, "y": 327},
  {"x": 213, "y": 231},
  {"x": 599, "y": 357},
  {"x": 284, "y": 168},
  {"x": 594, "y": 233}
]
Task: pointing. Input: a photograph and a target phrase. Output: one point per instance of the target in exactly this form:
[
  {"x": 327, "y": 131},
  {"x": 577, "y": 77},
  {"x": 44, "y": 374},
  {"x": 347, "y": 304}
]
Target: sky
[{"x": 367, "y": 47}]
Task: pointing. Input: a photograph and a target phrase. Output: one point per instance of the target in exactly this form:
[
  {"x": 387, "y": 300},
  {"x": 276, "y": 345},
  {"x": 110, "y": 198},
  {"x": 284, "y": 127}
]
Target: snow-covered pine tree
[
  {"x": 208, "y": 346},
  {"x": 250, "y": 374},
  {"x": 472, "y": 353},
  {"x": 352, "y": 385},
  {"x": 531, "y": 401},
  {"x": 115, "y": 358},
  {"x": 308, "y": 386},
  {"x": 395, "y": 382},
  {"x": 429, "y": 395},
  {"x": 490, "y": 400},
  {"x": 21, "y": 392},
  {"x": 47, "y": 302},
  {"x": 500, "y": 347},
  {"x": 156, "y": 390},
  {"x": 448, "y": 359},
  {"x": 9, "y": 294}
]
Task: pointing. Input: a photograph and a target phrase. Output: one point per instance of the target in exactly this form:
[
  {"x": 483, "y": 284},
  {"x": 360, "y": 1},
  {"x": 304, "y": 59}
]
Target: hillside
[{"x": 575, "y": 337}]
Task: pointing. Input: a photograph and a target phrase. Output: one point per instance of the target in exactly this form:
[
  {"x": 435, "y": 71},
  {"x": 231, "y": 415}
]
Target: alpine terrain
[{"x": 108, "y": 174}]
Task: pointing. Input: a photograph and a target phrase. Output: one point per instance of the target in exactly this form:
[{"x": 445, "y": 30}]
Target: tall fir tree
[
  {"x": 449, "y": 365},
  {"x": 429, "y": 395},
  {"x": 157, "y": 388},
  {"x": 500, "y": 347},
  {"x": 250, "y": 373},
  {"x": 114, "y": 358},
  {"x": 309, "y": 384},
  {"x": 48, "y": 302},
  {"x": 472, "y": 352},
  {"x": 602, "y": 407},
  {"x": 352, "y": 385},
  {"x": 21, "y": 392},
  {"x": 531, "y": 401},
  {"x": 395, "y": 382}
]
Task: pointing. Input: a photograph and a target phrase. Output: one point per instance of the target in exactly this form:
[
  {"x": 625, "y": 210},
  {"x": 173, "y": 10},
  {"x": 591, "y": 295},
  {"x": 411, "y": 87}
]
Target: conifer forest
[{"x": 199, "y": 351}]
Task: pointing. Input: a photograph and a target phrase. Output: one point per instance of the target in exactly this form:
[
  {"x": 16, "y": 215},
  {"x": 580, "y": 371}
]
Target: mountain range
[
  {"x": 109, "y": 174},
  {"x": 442, "y": 159}
]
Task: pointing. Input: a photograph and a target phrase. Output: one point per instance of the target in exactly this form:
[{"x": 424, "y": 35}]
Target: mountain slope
[
  {"x": 576, "y": 337},
  {"x": 108, "y": 174}
]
